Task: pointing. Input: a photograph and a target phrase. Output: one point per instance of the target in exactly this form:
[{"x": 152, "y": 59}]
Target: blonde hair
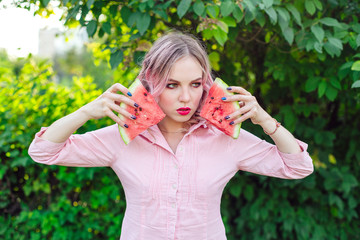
[{"x": 164, "y": 53}]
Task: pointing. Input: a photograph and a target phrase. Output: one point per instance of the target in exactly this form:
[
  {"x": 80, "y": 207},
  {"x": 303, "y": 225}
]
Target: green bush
[{"x": 299, "y": 58}]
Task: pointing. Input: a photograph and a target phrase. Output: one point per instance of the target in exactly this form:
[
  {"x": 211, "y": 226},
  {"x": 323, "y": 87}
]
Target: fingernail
[
  {"x": 227, "y": 117},
  {"x": 229, "y": 88},
  {"x": 223, "y": 98},
  {"x": 133, "y": 117},
  {"x": 231, "y": 123},
  {"x": 129, "y": 94},
  {"x": 136, "y": 105},
  {"x": 125, "y": 125}
]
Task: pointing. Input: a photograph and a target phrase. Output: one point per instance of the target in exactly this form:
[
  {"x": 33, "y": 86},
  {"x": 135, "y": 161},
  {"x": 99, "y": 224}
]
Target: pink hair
[{"x": 164, "y": 53}]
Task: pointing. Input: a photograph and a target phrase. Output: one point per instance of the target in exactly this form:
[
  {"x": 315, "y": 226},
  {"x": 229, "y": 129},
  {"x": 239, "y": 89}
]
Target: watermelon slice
[
  {"x": 147, "y": 114},
  {"x": 215, "y": 110}
]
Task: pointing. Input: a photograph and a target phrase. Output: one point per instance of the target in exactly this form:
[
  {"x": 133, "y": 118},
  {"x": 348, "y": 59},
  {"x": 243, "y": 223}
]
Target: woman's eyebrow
[{"x": 173, "y": 80}]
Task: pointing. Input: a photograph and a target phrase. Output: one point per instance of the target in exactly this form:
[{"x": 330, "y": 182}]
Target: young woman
[{"x": 174, "y": 173}]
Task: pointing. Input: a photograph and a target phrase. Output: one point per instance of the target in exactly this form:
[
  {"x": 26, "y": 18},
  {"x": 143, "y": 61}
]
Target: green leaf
[
  {"x": 91, "y": 28},
  {"x": 199, "y": 8},
  {"x": 331, "y": 92},
  {"x": 272, "y": 14},
  {"x": 283, "y": 13},
  {"x": 235, "y": 190},
  {"x": 332, "y": 22},
  {"x": 183, "y": 7},
  {"x": 331, "y": 49},
  {"x": 289, "y": 35},
  {"x": 116, "y": 58},
  {"x": 250, "y": 6},
  {"x": 238, "y": 14},
  {"x": 356, "y": 66},
  {"x": 358, "y": 40},
  {"x": 143, "y": 22},
  {"x": 229, "y": 21},
  {"x": 106, "y": 27},
  {"x": 213, "y": 11},
  {"x": 318, "y": 47},
  {"x": 335, "y": 42},
  {"x": 322, "y": 89},
  {"x": 220, "y": 36},
  {"x": 335, "y": 83},
  {"x": 311, "y": 84},
  {"x": 356, "y": 84},
  {"x": 318, "y": 4},
  {"x": 310, "y": 7},
  {"x": 89, "y": 3},
  {"x": 295, "y": 13},
  {"x": 318, "y": 32},
  {"x": 268, "y": 3},
  {"x": 45, "y": 2},
  {"x": 227, "y": 8},
  {"x": 223, "y": 26}
]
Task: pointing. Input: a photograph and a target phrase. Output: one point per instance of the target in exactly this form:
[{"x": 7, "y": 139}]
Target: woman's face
[{"x": 182, "y": 94}]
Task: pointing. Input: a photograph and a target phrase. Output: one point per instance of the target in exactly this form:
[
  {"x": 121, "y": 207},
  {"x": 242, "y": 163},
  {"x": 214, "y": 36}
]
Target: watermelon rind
[{"x": 123, "y": 133}]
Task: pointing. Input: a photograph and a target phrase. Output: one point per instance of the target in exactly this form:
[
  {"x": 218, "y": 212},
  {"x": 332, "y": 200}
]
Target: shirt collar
[{"x": 154, "y": 135}]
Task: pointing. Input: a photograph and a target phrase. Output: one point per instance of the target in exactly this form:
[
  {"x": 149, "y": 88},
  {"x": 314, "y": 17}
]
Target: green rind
[{"x": 122, "y": 131}]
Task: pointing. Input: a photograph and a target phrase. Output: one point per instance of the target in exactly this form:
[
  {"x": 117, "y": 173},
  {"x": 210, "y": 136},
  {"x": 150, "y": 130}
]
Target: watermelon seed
[
  {"x": 212, "y": 97},
  {"x": 140, "y": 109},
  {"x": 145, "y": 94},
  {"x": 216, "y": 108},
  {"x": 209, "y": 101},
  {"x": 220, "y": 120}
]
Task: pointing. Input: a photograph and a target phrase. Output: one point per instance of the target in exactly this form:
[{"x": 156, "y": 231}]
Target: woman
[{"x": 173, "y": 174}]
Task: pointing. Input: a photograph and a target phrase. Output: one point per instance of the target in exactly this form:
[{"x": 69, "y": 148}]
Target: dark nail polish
[
  {"x": 231, "y": 123},
  {"x": 223, "y": 98},
  {"x": 129, "y": 94},
  {"x": 229, "y": 88},
  {"x": 133, "y": 117},
  {"x": 136, "y": 105},
  {"x": 125, "y": 125},
  {"x": 227, "y": 117}
]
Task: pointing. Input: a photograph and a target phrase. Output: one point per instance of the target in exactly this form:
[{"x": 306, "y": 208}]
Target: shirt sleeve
[
  {"x": 92, "y": 149},
  {"x": 258, "y": 156}
]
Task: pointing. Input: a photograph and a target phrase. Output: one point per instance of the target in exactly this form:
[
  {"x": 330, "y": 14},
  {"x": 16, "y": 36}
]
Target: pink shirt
[{"x": 173, "y": 195}]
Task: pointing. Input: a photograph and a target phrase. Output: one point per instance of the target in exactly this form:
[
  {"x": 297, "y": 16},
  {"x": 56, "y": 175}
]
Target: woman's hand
[
  {"x": 109, "y": 102},
  {"x": 249, "y": 107}
]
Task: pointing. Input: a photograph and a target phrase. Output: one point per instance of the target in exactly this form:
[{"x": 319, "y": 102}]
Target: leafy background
[{"x": 299, "y": 58}]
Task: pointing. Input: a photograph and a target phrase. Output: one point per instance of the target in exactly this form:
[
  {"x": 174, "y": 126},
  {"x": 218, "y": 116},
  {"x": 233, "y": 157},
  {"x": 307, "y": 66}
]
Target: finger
[
  {"x": 117, "y": 87},
  {"x": 242, "y": 118},
  {"x": 238, "y": 89},
  {"x": 122, "y": 111},
  {"x": 116, "y": 119},
  {"x": 118, "y": 98},
  {"x": 238, "y": 98},
  {"x": 238, "y": 113}
]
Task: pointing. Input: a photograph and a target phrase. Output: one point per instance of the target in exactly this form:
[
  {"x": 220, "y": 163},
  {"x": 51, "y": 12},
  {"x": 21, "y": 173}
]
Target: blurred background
[{"x": 299, "y": 58}]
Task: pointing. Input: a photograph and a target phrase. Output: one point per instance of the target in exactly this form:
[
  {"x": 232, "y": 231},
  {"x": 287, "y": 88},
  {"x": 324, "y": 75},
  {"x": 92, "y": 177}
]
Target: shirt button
[
  {"x": 174, "y": 186},
  {"x": 175, "y": 166},
  {"x": 173, "y": 205},
  {"x": 180, "y": 148}
]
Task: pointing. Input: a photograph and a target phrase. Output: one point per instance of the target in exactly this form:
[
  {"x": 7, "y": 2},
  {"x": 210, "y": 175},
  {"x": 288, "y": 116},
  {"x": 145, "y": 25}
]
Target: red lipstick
[{"x": 184, "y": 111}]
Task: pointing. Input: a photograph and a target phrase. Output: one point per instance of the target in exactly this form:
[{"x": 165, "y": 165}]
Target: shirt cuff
[
  {"x": 296, "y": 156},
  {"x": 46, "y": 145}
]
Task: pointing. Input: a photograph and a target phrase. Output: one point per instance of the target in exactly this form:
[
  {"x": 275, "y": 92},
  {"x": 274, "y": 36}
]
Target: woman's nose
[{"x": 184, "y": 95}]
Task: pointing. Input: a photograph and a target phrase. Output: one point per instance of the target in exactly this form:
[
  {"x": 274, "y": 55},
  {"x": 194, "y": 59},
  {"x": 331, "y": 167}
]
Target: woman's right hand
[{"x": 109, "y": 102}]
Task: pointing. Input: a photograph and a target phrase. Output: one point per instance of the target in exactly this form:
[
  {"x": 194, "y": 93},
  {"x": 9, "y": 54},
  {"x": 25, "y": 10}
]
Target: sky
[{"x": 19, "y": 29}]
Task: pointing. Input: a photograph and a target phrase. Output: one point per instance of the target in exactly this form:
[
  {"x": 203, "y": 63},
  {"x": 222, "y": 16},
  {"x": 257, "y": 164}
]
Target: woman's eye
[
  {"x": 197, "y": 84},
  {"x": 171, "y": 85}
]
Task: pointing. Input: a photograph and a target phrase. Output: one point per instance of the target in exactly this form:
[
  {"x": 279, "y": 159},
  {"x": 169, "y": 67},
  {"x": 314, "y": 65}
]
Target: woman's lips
[{"x": 184, "y": 111}]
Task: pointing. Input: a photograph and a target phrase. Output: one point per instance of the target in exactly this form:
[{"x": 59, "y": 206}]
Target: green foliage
[{"x": 299, "y": 59}]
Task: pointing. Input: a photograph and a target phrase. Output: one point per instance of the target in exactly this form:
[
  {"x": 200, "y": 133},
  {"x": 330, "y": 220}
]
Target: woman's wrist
[{"x": 269, "y": 125}]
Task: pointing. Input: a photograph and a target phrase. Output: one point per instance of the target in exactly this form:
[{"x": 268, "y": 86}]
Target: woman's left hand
[{"x": 249, "y": 107}]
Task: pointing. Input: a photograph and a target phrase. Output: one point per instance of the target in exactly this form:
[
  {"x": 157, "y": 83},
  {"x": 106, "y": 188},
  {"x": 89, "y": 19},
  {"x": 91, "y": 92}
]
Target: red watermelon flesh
[
  {"x": 215, "y": 110},
  {"x": 147, "y": 114}
]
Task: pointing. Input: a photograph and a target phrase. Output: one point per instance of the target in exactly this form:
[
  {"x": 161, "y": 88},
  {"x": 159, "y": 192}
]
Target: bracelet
[{"x": 277, "y": 126}]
